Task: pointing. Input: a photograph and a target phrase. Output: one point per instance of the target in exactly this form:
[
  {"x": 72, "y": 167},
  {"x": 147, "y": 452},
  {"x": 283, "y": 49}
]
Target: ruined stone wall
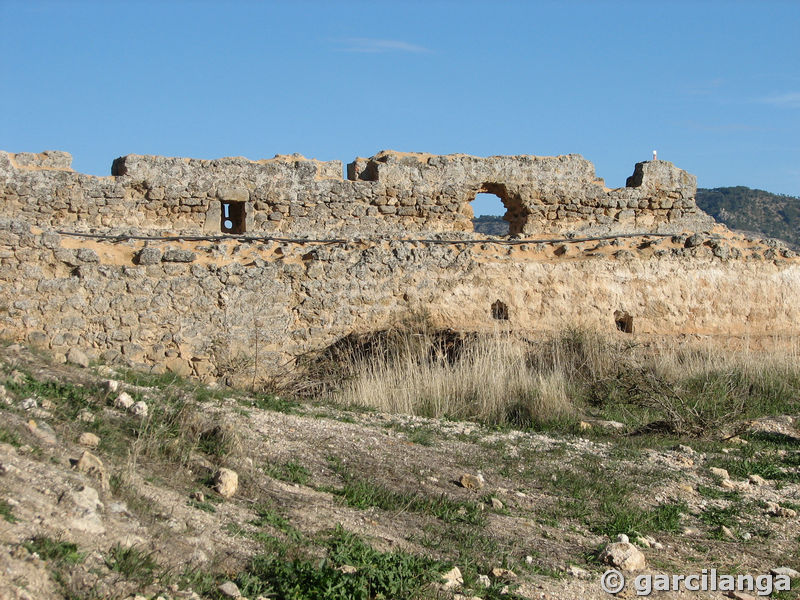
[
  {"x": 388, "y": 194},
  {"x": 220, "y": 306}
]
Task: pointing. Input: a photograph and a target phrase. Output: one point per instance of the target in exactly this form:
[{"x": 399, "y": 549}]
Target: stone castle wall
[
  {"x": 388, "y": 194},
  {"x": 133, "y": 267}
]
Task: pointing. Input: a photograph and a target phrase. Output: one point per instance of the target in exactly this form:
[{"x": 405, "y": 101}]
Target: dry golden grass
[{"x": 502, "y": 377}]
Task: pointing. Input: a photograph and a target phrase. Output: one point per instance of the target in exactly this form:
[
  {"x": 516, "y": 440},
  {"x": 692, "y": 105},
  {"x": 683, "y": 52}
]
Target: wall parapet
[{"x": 387, "y": 194}]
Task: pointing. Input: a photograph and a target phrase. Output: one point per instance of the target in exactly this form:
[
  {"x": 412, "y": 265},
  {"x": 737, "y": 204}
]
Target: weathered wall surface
[
  {"x": 218, "y": 306},
  {"x": 388, "y": 194}
]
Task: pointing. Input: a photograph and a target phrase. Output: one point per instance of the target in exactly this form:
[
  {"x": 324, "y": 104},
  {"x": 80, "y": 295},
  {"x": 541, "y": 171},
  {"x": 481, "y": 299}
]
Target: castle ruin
[{"x": 204, "y": 266}]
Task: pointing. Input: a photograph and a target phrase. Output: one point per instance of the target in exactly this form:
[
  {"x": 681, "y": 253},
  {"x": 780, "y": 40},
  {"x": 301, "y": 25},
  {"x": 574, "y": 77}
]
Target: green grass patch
[
  {"x": 55, "y": 550},
  {"x": 268, "y": 517},
  {"x": 351, "y": 570},
  {"x": 273, "y": 403},
  {"x": 133, "y": 563},
  {"x": 6, "y": 512},
  {"x": 769, "y": 465},
  {"x": 70, "y": 398},
  {"x": 9, "y": 436},
  {"x": 291, "y": 471}
]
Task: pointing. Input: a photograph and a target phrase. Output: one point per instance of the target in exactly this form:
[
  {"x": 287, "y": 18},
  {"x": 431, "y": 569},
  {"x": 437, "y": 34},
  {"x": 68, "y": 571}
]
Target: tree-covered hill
[
  {"x": 757, "y": 211},
  {"x": 490, "y": 225}
]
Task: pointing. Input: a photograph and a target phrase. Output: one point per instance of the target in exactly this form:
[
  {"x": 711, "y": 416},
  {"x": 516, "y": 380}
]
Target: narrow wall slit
[{"x": 233, "y": 217}]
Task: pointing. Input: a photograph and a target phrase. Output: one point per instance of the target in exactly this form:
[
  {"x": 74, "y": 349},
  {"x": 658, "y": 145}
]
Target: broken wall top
[{"x": 390, "y": 194}]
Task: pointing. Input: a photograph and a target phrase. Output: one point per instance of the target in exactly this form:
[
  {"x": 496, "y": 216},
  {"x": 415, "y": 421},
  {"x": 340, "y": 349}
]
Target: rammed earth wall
[{"x": 134, "y": 267}]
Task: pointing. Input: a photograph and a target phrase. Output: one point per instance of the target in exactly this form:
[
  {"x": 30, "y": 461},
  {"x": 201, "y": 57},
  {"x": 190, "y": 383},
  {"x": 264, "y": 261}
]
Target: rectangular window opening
[{"x": 233, "y": 217}]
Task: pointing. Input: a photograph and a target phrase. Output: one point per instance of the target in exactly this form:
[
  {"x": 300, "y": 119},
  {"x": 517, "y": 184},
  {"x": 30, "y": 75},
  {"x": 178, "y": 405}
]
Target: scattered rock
[
  {"x": 139, "y": 409},
  {"x": 472, "y": 482},
  {"x": 86, "y": 416},
  {"x": 623, "y": 555},
  {"x": 721, "y": 473},
  {"x": 788, "y": 571},
  {"x": 77, "y": 357},
  {"x": 484, "y": 581},
  {"x": 43, "y": 432},
  {"x": 496, "y": 504},
  {"x": 91, "y": 465},
  {"x": 124, "y": 401},
  {"x": 623, "y": 539},
  {"x": 776, "y": 510},
  {"x": 29, "y": 404},
  {"x": 684, "y": 449},
  {"x": 727, "y": 533},
  {"x": 504, "y": 574},
  {"x": 452, "y": 579},
  {"x": 229, "y": 590},
  {"x": 226, "y": 482},
  {"x": 111, "y": 386},
  {"x": 578, "y": 573},
  {"x": 348, "y": 569},
  {"x": 757, "y": 480},
  {"x": 89, "y": 440}
]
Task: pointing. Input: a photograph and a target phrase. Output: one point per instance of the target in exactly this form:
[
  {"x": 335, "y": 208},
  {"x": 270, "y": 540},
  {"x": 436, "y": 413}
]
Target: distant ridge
[{"x": 756, "y": 211}]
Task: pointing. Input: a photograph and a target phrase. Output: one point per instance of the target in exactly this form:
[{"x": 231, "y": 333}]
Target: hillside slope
[
  {"x": 102, "y": 501},
  {"x": 757, "y": 211}
]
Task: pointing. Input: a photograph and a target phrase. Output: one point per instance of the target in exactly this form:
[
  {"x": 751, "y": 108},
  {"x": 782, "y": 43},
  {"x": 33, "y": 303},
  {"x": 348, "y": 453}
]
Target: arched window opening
[
  {"x": 496, "y": 211},
  {"x": 489, "y": 210}
]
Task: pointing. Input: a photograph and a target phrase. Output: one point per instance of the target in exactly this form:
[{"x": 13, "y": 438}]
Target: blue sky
[{"x": 713, "y": 86}]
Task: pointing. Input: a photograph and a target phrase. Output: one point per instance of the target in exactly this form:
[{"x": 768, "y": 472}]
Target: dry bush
[{"x": 438, "y": 374}]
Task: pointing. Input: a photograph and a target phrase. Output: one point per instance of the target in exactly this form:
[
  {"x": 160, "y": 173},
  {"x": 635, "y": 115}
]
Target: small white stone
[
  {"x": 452, "y": 578},
  {"x": 788, "y": 571},
  {"x": 623, "y": 539},
  {"x": 124, "y": 401},
  {"x": 29, "y": 403},
  {"x": 139, "y": 409}
]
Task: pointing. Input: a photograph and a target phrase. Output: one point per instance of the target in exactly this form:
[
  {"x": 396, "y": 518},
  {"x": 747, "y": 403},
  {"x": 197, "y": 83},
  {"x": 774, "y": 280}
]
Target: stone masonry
[{"x": 214, "y": 268}]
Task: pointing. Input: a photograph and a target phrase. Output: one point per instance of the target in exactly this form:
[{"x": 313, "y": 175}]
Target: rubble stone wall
[
  {"x": 388, "y": 194},
  {"x": 110, "y": 265}
]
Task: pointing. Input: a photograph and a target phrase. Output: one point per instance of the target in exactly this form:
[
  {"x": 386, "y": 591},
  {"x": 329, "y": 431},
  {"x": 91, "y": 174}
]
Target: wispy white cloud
[
  {"x": 375, "y": 46},
  {"x": 785, "y": 100}
]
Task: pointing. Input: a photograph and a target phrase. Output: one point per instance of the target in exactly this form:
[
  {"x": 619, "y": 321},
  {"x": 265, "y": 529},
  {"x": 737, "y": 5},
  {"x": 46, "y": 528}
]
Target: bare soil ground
[{"x": 150, "y": 520}]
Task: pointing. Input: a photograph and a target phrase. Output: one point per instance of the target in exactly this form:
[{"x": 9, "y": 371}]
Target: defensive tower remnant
[{"x": 188, "y": 265}]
